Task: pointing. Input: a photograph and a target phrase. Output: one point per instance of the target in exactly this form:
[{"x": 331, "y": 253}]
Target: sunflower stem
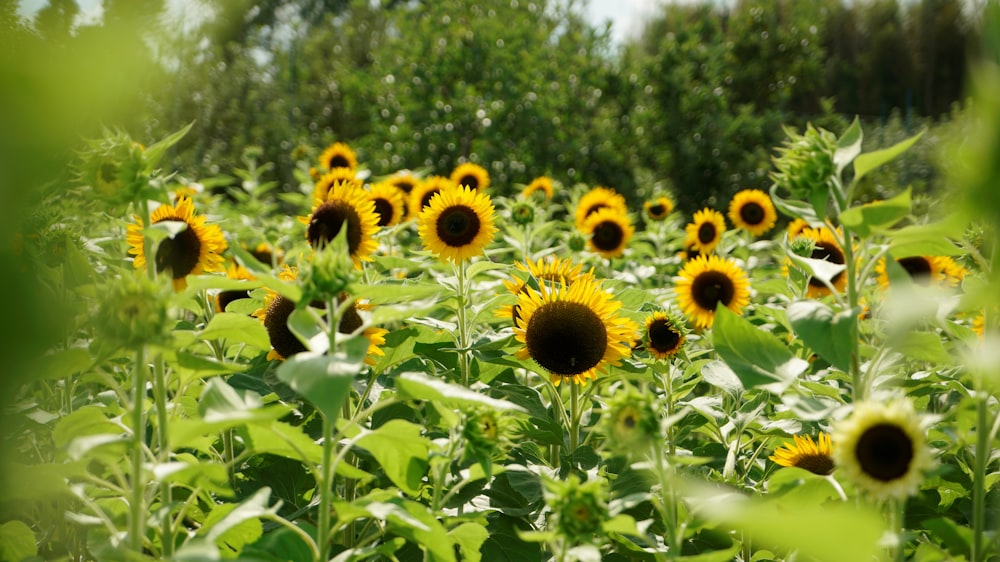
[
  {"x": 574, "y": 418},
  {"x": 137, "y": 511},
  {"x": 463, "y": 328},
  {"x": 323, "y": 528},
  {"x": 899, "y": 527},
  {"x": 667, "y": 505},
  {"x": 858, "y": 386},
  {"x": 163, "y": 453},
  {"x": 979, "y": 478}
]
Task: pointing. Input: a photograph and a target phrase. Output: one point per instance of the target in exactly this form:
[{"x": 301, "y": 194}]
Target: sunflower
[
  {"x": 825, "y": 247},
  {"x": 597, "y": 199},
  {"x": 346, "y": 203},
  {"x": 795, "y": 228},
  {"x": 609, "y": 232},
  {"x": 471, "y": 175},
  {"x": 405, "y": 182},
  {"x": 422, "y": 194},
  {"x": 541, "y": 183},
  {"x": 388, "y": 202},
  {"x": 883, "y": 449},
  {"x": 752, "y": 210},
  {"x": 706, "y": 230},
  {"x": 267, "y": 254},
  {"x": 979, "y": 324},
  {"x": 457, "y": 224},
  {"x": 572, "y": 331},
  {"x": 234, "y": 271},
  {"x": 195, "y": 249},
  {"x": 705, "y": 282},
  {"x": 326, "y": 182},
  {"x": 690, "y": 250},
  {"x": 658, "y": 209},
  {"x": 922, "y": 270},
  {"x": 338, "y": 155},
  {"x": 807, "y": 454},
  {"x": 664, "y": 335},
  {"x": 556, "y": 271}
]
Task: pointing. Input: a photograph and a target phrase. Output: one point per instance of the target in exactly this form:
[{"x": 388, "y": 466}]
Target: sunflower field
[{"x": 428, "y": 364}]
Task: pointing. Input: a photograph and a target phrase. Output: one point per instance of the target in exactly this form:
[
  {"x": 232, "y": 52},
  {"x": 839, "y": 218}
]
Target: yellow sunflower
[
  {"x": 345, "y": 204},
  {"x": 553, "y": 272},
  {"x": 405, "y": 182},
  {"x": 795, "y": 228},
  {"x": 658, "y": 209},
  {"x": 457, "y": 224},
  {"x": 979, "y": 324},
  {"x": 541, "y": 183},
  {"x": 326, "y": 182},
  {"x": 388, "y": 200},
  {"x": 690, "y": 250},
  {"x": 609, "y": 232},
  {"x": 753, "y": 211},
  {"x": 705, "y": 282},
  {"x": 706, "y": 230},
  {"x": 267, "y": 254},
  {"x": 597, "y": 199},
  {"x": 814, "y": 456},
  {"x": 825, "y": 247},
  {"x": 572, "y": 331},
  {"x": 234, "y": 271},
  {"x": 922, "y": 270},
  {"x": 195, "y": 249},
  {"x": 422, "y": 193},
  {"x": 664, "y": 335},
  {"x": 338, "y": 155},
  {"x": 883, "y": 449},
  {"x": 471, "y": 175}
]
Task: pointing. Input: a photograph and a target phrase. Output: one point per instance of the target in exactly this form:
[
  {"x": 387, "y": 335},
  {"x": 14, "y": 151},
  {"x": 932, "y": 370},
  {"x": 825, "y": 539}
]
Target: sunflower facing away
[
  {"x": 542, "y": 184},
  {"x": 814, "y": 456},
  {"x": 458, "y": 224},
  {"x": 705, "y": 282},
  {"x": 326, "y": 182},
  {"x": 705, "y": 230},
  {"x": 664, "y": 335},
  {"x": 752, "y": 210},
  {"x": 883, "y": 449},
  {"x": 825, "y": 247},
  {"x": 345, "y": 204},
  {"x": 608, "y": 232},
  {"x": 388, "y": 202},
  {"x": 597, "y": 199},
  {"x": 572, "y": 331},
  {"x": 338, "y": 155},
  {"x": 195, "y": 249},
  {"x": 658, "y": 209},
  {"x": 422, "y": 194},
  {"x": 551, "y": 272},
  {"x": 471, "y": 175}
]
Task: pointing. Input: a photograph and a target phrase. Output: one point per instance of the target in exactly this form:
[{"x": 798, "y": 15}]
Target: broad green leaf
[
  {"x": 718, "y": 374},
  {"x": 37, "y": 482},
  {"x": 198, "y": 283},
  {"x": 190, "y": 472},
  {"x": 202, "y": 364},
  {"x": 956, "y": 538},
  {"x": 61, "y": 364},
  {"x": 924, "y": 346},
  {"x": 758, "y": 358},
  {"x": 220, "y": 402},
  {"x": 470, "y": 538},
  {"x": 17, "y": 542},
  {"x": 422, "y": 387},
  {"x": 503, "y": 543},
  {"x": 819, "y": 269},
  {"x": 848, "y": 146},
  {"x": 86, "y": 421},
  {"x": 622, "y": 524},
  {"x": 927, "y": 239},
  {"x": 401, "y": 451},
  {"x": 432, "y": 537},
  {"x": 397, "y": 291},
  {"x": 291, "y": 442},
  {"x": 236, "y": 328},
  {"x": 231, "y": 526},
  {"x": 325, "y": 380},
  {"x": 154, "y": 152},
  {"x": 794, "y": 207},
  {"x": 877, "y": 216},
  {"x": 831, "y": 335},
  {"x": 867, "y": 162},
  {"x": 481, "y": 267}
]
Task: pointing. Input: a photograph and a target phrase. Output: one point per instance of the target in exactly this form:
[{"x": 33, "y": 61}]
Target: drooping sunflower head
[
  {"x": 541, "y": 184},
  {"x": 234, "y": 271},
  {"x": 706, "y": 282},
  {"x": 814, "y": 456},
  {"x": 629, "y": 423},
  {"x": 663, "y": 335},
  {"x": 326, "y": 182},
  {"x": 706, "y": 229},
  {"x": 597, "y": 199},
  {"x": 572, "y": 332},
  {"x": 388, "y": 200},
  {"x": 753, "y": 211},
  {"x": 882, "y": 447},
  {"x": 338, "y": 155},
  {"x": 422, "y": 194},
  {"x": 608, "y": 232},
  {"x": 657, "y": 209},
  {"x": 825, "y": 247},
  {"x": 471, "y": 175},
  {"x": 192, "y": 249},
  {"x": 551, "y": 272},
  {"x": 346, "y": 206},
  {"x": 458, "y": 224}
]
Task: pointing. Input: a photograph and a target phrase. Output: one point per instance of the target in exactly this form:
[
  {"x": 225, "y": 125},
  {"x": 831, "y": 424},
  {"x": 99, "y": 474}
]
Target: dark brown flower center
[
  {"x": 405, "y": 185},
  {"x": 179, "y": 254},
  {"x": 752, "y": 213},
  {"x": 712, "y": 287},
  {"x": 817, "y": 464},
  {"x": 470, "y": 181},
  {"x": 339, "y": 161},
  {"x": 608, "y": 236},
  {"x": 350, "y": 321},
  {"x": 426, "y": 199},
  {"x": 276, "y": 323},
  {"x": 594, "y": 208},
  {"x": 657, "y": 211},
  {"x": 706, "y": 233},
  {"x": 458, "y": 226},
  {"x": 384, "y": 210},
  {"x": 327, "y": 220},
  {"x": 884, "y": 452},
  {"x": 226, "y": 297},
  {"x": 566, "y": 338},
  {"x": 831, "y": 253},
  {"x": 918, "y": 267},
  {"x": 663, "y": 337}
]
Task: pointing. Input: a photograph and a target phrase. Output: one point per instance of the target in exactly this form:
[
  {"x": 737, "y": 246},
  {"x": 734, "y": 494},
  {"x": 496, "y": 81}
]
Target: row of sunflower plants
[{"x": 415, "y": 365}]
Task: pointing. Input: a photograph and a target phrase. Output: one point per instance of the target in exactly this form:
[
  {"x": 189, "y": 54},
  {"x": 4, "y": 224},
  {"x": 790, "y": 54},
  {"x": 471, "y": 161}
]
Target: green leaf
[
  {"x": 401, "y": 451},
  {"x": 291, "y": 442},
  {"x": 236, "y": 327},
  {"x": 154, "y": 152},
  {"x": 17, "y": 542},
  {"x": 928, "y": 239},
  {"x": 831, "y": 335},
  {"x": 231, "y": 526},
  {"x": 504, "y": 544},
  {"x": 419, "y": 386},
  {"x": 869, "y": 161},
  {"x": 848, "y": 146},
  {"x": 794, "y": 207},
  {"x": 957, "y": 539},
  {"x": 718, "y": 374},
  {"x": 61, "y": 364},
  {"x": 924, "y": 346},
  {"x": 325, "y": 380},
  {"x": 38, "y": 482},
  {"x": 877, "y": 216},
  {"x": 470, "y": 538},
  {"x": 622, "y": 524},
  {"x": 758, "y": 358},
  {"x": 86, "y": 421},
  {"x": 481, "y": 267},
  {"x": 819, "y": 269}
]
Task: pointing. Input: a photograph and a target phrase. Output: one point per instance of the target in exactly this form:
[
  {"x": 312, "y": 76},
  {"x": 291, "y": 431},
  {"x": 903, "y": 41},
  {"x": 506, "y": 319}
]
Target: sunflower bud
[
  {"x": 522, "y": 213},
  {"x": 331, "y": 270},
  {"x": 577, "y": 242},
  {"x": 802, "y": 246},
  {"x": 114, "y": 168},
  {"x": 629, "y": 424},
  {"x": 805, "y": 164},
  {"x": 134, "y": 311},
  {"x": 578, "y": 508},
  {"x": 487, "y": 436}
]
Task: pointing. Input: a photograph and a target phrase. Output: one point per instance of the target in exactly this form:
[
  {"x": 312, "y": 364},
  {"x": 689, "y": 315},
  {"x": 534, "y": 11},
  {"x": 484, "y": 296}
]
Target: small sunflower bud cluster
[
  {"x": 578, "y": 508},
  {"x": 487, "y": 435},
  {"x": 331, "y": 270},
  {"x": 134, "y": 311},
  {"x": 114, "y": 167},
  {"x": 629, "y": 424}
]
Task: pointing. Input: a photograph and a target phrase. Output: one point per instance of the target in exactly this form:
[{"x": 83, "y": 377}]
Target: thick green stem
[
  {"x": 463, "y": 328},
  {"x": 858, "y": 386},
  {"x": 668, "y": 502},
  {"x": 899, "y": 527},
  {"x": 163, "y": 452},
  {"x": 325, "y": 485},
  {"x": 981, "y": 459},
  {"x": 574, "y": 418},
  {"x": 137, "y": 512}
]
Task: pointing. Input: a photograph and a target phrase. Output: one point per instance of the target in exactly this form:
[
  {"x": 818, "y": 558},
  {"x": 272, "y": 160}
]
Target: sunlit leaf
[
  {"x": 867, "y": 162},
  {"x": 401, "y": 451},
  {"x": 421, "y": 387},
  {"x": 848, "y": 146},
  {"x": 237, "y": 328},
  {"x": 878, "y": 216},
  {"x": 325, "y": 380},
  {"x": 17, "y": 541},
  {"x": 758, "y": 358},
  {"x": 831, "y": 335}
]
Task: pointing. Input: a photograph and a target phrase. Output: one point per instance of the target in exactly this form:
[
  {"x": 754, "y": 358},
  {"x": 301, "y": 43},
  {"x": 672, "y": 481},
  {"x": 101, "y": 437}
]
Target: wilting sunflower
[
  {"x": 553, "y": 272},
  {"x": 471, "y": 175},
  {"x": 597, "y": 199},
  {"x": 704, "y": 282},
  {"x": 658, "y": 209},
  {"x": 541, "y": 183},
  {"x": 608, "y": 232},
  {"x": 422, "y": 194},
  {"x": 883, "y": 449},
  {"x": 457, "y": 224},
  {"x": 664, "y": 335},
  {"x": 338, "y": 155},
  {"x": 705, "y": 231},
  {"x": 388, "y": 200},
  {"x": 345, "y": 204},
  {"x": 572, "y": 331},
  {"x": 816, "y": 457},
  {"x": 234, "y": 271},
  {"x": 326, "y": 182},
  {"x": 825, "y": 247},
  {"x": 195, "y": 249},
  {"x": 752, "y": 210}
]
